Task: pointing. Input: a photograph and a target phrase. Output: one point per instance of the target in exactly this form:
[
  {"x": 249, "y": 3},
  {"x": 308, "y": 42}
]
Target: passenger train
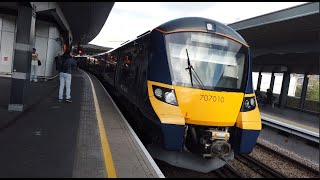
[{"x": 189, "y": 82}]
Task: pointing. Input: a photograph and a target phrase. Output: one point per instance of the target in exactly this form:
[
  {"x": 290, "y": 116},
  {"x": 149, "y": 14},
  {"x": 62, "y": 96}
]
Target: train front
[{"x": 213, "y": 109}]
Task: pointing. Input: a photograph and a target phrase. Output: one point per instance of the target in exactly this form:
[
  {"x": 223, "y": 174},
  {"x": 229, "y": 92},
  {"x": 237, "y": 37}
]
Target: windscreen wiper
[{"x": 190, "y": 68}]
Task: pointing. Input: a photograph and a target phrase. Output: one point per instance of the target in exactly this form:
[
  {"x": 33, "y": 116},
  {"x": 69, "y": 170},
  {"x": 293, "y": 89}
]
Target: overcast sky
[{"x": 130, "y": 19}]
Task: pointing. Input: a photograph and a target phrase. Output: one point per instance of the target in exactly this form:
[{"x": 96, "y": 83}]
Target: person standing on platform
[
  {"x": 269, "y": 96},
  {"x": 34, "y": 66},
  {"x": 65, "y": 75}
]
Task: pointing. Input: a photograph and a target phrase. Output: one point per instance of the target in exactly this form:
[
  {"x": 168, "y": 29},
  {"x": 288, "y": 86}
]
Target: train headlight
[
  {"x": 249, "y": 103},
  {"x": 252, "y": 102},
  {"x": 170, "y": 98},
  {"x": 165, "y": 95},
  {"x": 158, "y": 92}
]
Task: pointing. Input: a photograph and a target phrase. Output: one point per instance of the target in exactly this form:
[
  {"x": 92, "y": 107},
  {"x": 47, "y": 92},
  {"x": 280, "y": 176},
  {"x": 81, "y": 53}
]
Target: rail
[
  {"x": 227, "y": 171},
  {"x": 259, "y": 166}
]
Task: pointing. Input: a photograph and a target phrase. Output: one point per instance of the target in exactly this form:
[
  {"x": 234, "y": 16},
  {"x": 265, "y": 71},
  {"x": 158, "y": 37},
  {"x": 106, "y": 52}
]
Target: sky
[{"x": 127, "y": 20}]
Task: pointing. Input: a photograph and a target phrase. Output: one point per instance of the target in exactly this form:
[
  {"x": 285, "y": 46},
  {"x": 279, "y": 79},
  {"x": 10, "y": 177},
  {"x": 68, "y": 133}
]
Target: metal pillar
[
  {"x": 304, "y": 91},
  {"x": 259, "y": 80},
  {"x": 284, "y": 89},
  {"x": 25, "y": 37},
  {"x": 69, "y": 45},
  {"x": 272, "y": 82},
  {"x": 67, "y": 42}
]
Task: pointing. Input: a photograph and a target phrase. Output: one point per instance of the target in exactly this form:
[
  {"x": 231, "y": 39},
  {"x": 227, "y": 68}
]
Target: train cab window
[{"x": 218, "y": 61}]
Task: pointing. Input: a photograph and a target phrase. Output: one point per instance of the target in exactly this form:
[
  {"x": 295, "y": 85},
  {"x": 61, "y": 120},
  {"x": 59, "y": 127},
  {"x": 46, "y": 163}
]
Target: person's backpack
[{"x": 61, "y": 64}]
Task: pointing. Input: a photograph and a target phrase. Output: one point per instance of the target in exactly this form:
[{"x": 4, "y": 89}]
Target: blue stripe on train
[{"x": 172, "y": 136}]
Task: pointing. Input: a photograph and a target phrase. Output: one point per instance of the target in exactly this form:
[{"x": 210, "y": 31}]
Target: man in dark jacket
[{"x": 65, "y": 75}]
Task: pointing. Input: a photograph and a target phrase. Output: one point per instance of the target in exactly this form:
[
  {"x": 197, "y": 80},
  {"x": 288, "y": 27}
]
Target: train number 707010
[{"x": 212, "y": 98}]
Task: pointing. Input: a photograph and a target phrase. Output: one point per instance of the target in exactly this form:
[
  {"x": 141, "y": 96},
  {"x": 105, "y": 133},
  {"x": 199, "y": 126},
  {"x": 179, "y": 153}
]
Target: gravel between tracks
[
  {"x": 244, "y": 170},
  {"x": 285, "y": 167}
]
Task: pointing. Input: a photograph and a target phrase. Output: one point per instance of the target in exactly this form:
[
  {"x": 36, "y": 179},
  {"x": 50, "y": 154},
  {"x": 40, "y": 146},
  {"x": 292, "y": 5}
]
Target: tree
[{"x": 312, "y": 89}]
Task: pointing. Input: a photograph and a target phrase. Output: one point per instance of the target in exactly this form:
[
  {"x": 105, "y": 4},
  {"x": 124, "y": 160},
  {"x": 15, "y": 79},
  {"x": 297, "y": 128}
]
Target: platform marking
[
  {"x": 109, "y": 165},
  {"x": 154, "y": 165}
]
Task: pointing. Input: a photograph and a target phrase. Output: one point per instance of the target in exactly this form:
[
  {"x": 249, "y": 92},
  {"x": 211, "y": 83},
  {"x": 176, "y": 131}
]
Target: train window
[
  {"x": 110, "y": 67},
  {"x": 218, "y": 61},
  {"x": 127, "y": 72}
]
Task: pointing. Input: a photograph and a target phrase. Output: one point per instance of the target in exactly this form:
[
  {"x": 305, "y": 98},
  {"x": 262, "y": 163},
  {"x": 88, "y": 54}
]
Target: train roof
[
  {"x": 190, "y": 23},
  {"x": 199, "y": 23}
]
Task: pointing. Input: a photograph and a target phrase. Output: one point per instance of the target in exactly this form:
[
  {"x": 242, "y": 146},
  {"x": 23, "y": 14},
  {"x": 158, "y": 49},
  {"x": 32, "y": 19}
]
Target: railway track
[
  {"x": 293, "y": 161},
  {"x": 259, "y": 167},
  {"x": 170, "y": 171},
  {"x": 228, "y": 171},
  {"x": 284, "y": 162}
]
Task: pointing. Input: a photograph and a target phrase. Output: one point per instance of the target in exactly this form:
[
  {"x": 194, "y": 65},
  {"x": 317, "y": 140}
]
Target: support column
[
  {"x": 304, "y": 91},
  {"x": 284, "y": 89},
  {"x": 259, "y": 80},
  {"x": 272, "y": 82},
  {"x": 69, "y": 45},
  {"x": 67, "y": 42},
  {"x": 25, "y": 37}
]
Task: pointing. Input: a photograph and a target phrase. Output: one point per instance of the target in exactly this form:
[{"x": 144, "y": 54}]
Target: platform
[
  {"x": 292, "y": 117},
  {"x": 54, "y": 140}
]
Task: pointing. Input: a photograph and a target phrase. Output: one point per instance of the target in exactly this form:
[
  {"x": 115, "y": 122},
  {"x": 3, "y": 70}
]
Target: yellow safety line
[{"x": 109, "y": 165}]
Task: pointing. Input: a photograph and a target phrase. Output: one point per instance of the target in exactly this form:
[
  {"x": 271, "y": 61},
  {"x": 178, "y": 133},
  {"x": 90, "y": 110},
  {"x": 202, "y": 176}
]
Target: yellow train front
[
  {"x": 189, "y": 82},
  {"x": 200, "y": 87}
]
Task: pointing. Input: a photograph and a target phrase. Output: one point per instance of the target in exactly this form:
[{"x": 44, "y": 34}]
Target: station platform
[
  {"x": 292, "y": 117},
  {"x": 86, "y": 138}
]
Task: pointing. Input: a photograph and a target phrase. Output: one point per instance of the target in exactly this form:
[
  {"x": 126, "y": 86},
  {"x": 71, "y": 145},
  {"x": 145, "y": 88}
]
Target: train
[{"x": 189, "y": 84}]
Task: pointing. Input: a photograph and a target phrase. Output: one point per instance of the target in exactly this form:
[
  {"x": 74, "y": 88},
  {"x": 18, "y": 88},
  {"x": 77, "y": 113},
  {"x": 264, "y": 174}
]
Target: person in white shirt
[{"x": 34, "y": 66}]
